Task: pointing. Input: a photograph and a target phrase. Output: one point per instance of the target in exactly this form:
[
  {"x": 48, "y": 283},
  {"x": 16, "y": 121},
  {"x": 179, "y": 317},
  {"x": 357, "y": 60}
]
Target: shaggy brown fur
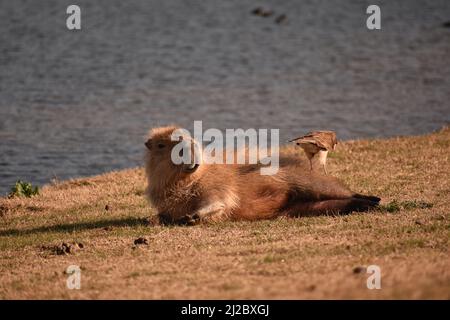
[{"x": 216, "y": 192}]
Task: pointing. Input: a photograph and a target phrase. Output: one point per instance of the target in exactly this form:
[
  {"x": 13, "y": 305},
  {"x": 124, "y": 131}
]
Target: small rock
[
  {"x": 141, "y": 240},
  {"x": 358, "y": 270}
]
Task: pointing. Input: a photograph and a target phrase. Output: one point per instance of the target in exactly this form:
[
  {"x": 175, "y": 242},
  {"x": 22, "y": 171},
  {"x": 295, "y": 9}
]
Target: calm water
[{"x": 79, "y": 103}]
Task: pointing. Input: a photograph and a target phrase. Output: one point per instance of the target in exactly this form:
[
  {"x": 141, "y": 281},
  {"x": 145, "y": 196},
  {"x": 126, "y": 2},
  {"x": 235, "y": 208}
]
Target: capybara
[{"x": 215, "y": 192}]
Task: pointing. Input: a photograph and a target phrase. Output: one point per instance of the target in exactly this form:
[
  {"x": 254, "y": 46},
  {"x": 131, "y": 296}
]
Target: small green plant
[
  {"x": 23, "y": 189},
  {"x": 395, "y": 206},
  {"x": 416, "y": 205}
]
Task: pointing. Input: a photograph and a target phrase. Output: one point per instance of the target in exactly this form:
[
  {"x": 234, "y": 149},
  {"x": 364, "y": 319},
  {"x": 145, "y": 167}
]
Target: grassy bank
[{"x": 313, "y": 257}]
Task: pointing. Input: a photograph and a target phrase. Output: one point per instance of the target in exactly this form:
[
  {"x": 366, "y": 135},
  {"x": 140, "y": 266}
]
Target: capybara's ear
[{"x": 148, "y": 144}]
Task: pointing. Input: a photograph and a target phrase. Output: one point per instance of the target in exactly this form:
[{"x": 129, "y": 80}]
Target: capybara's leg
[
  {"x": 341, "y": 206},
  {"x": 212, "y": 212},
  {"x": 371, "y": 198}
]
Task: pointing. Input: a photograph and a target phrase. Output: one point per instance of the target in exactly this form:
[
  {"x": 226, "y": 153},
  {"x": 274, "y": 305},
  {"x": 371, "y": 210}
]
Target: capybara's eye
[{"x": 160, "y": 145}]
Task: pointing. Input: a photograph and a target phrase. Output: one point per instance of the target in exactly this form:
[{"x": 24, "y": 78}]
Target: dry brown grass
[{"x": 285, "y": 258}]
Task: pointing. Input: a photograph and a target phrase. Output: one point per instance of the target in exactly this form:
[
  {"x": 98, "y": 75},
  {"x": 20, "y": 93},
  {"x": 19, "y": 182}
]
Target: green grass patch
[
  {"x": 396, "y": 206},
  {"x": 23, "y": 189}
]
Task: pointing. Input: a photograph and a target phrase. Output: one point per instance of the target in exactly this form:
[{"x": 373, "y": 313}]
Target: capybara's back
[{"x": 295, "y": 191}]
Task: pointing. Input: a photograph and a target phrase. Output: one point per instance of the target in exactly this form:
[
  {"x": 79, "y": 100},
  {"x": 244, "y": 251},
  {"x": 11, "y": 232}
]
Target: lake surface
[{"x": 78, "y": 103}]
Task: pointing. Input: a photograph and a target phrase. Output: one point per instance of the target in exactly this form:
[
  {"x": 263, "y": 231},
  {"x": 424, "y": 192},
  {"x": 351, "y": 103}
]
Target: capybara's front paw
[
  {"x": 190, "y": 219},
  {"x": 165, "y": 219}
]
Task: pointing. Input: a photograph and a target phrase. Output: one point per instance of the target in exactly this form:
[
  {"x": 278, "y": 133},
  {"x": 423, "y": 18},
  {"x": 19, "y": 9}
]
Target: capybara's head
[{"x": 171, "y": 154}]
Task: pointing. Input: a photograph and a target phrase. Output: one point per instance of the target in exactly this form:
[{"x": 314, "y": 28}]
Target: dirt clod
[
  {"x": 141, "y": 240},
  {"x": 64, "y": 248},
  {"x": 358, "y": 270}
]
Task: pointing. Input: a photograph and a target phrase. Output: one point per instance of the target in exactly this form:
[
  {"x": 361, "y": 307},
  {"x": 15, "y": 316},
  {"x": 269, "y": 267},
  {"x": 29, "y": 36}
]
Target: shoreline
[{"x": 286, "y": 146}]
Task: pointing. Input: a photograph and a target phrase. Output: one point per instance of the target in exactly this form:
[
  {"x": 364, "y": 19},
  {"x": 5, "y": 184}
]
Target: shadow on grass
[{"x": 79, "y": 226}]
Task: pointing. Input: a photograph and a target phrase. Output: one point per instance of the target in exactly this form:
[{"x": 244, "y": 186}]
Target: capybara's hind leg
[
  {"x": 341, "y": 206},
  {"x": 371, "y": 198}
]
